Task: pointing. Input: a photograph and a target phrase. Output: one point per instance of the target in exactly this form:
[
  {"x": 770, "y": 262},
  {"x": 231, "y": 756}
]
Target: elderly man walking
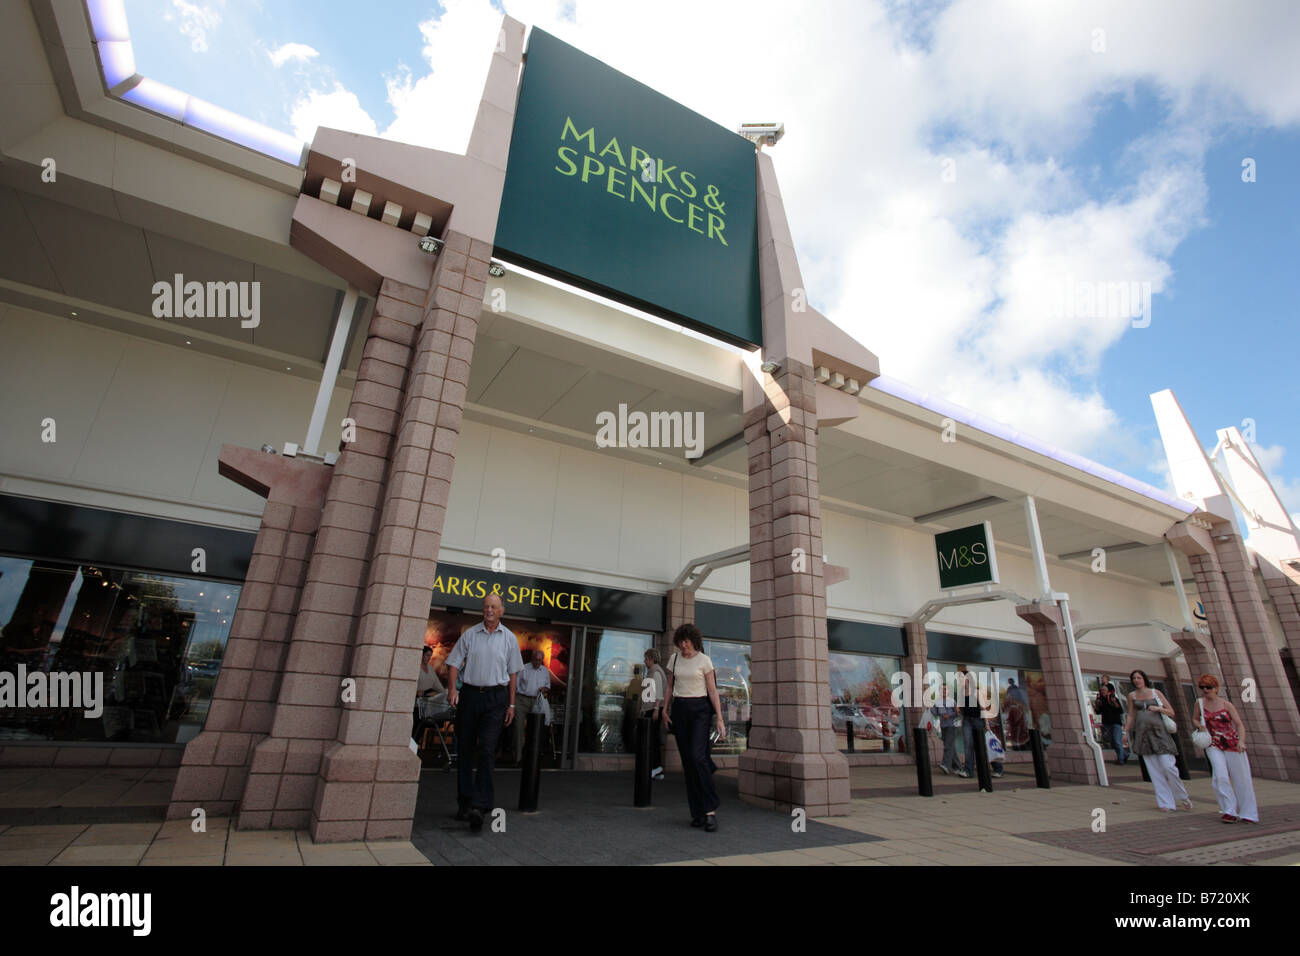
[
  {"x": 534, "y": 681},
  {"x": 488, "y": 653}
]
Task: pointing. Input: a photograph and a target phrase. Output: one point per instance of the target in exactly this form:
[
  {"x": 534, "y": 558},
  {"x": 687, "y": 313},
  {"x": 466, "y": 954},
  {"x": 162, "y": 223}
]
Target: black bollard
[
  {"x": 1143, "y": 764},
  {"x": 641, "y": 776},
  {"x": 530, "y": 777},
  {"x": 924, "y": 780},
  {"x": 982, "y": 771},
  {"x": 1040, "y": 760},
  {"x": 848, "y": 729}
]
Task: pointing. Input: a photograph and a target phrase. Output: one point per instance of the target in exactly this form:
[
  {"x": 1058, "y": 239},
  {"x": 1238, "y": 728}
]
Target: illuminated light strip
[
  {"x": 998, "y": 430},
  {"x": 112, "y": 39}
]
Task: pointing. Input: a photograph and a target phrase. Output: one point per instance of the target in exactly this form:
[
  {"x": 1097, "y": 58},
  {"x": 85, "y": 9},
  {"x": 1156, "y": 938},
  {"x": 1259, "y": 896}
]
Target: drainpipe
[{"x": 1063, "y": 602}]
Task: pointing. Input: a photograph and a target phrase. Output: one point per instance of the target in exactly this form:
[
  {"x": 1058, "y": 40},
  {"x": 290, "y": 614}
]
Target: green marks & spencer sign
[
  {"x": 966, "y": 556},
  {"x": 620, "y": 190}
]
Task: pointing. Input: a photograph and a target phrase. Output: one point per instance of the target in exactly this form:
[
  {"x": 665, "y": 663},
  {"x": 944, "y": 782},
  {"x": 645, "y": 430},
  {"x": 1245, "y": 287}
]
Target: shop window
[
  {"x": 731, "y": 671},
  {"x": 153, "y": 643},
  {"x": 863, "y": 715}
]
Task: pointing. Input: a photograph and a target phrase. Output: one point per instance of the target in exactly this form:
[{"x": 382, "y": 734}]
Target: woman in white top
[{"x": 692, "y": 696}]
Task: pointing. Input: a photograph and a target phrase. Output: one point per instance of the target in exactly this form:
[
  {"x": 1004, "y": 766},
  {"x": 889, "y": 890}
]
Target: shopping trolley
[{"x": 437, "y": 717}]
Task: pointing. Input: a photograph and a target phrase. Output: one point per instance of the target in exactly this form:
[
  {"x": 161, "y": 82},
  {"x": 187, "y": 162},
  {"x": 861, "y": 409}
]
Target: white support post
[
  {"x": 1178, "y": 587},
  {"x": 1063, "y": 602},
  {"x": 330, "y": 374},
  {"x": 1036, "y": 547}
]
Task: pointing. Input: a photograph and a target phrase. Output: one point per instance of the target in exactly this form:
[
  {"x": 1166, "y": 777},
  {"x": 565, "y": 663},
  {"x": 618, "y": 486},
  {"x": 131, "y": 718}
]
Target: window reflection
[
  {"x": 610, "y": 700},
  {"x": 155, "y": 641},
  {"x": 863, "y": 715}
]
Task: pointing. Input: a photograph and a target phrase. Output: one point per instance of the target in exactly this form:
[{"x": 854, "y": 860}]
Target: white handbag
[{"x": 1201, "y": 738}]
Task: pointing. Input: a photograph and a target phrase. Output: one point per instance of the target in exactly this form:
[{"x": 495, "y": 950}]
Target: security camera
[
  {"x": 431, "y": 244},
  {"x": 762, "y": 134}
]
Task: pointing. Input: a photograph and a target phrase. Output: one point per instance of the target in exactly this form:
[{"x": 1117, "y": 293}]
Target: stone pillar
[
  {"x": 1182, "y": 716},
  {"x": 792, "y": 760},
  {"x": 215, "y": 765},
  {"x": 681, "y": 610},
  {"x": 1235, "y": 661},
  {"x": 282, "y": 780},
  {"x": 915, "y": 661},
  {"x": 369, "y": 777},
  {"x": 1286, "y": 602},
  {"x": 1069, "y": 758},
  {"x": 1273, "y": 689}
]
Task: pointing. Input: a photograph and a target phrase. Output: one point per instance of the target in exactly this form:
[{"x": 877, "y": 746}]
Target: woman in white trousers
[
  {"x": 1227, "y": 752},
  {"x": 1150, "y": 740}
]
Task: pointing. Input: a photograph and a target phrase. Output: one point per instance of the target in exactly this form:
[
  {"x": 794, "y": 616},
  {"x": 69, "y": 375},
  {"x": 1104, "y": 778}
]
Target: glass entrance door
[{"x": 612, "y": 662}]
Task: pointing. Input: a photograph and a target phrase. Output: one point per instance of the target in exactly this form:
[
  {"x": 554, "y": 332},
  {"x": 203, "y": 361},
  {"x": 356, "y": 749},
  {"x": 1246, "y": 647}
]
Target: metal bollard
[
  {"x": 1143, "y": 764},
  {"x": 1040, "y": 760},
  {"x": 641, "y": 776},
  {"x": 848, "y": 729},
  {"x": 530, "y": 777},
  {"x": 982, "y": 771},
  {"x": 924, "y": 778}
]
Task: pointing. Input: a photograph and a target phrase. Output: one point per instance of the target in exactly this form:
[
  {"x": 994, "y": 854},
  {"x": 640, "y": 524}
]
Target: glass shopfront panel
[
  {"x": 863, "y": 715},
  {"x": 731, "y": 671},
  {"x": 154, "y": 644},
  {"x": 613, "y": 662},
  {"x": 555, "y": 643},
  {"x": 1021, "y": 703}
]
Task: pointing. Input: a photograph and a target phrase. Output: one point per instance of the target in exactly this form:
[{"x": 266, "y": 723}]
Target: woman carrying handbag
[
  {"x": 1152, "y": 740},
  {"x": 1222, "y": 735}
]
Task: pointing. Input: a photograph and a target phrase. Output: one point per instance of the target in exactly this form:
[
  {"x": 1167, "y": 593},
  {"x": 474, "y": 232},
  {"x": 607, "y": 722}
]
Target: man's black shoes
[
  {"x": 697, "y": 821},
  {"x": 710, "y": 824},
  {"x": 476, "y": 820}
]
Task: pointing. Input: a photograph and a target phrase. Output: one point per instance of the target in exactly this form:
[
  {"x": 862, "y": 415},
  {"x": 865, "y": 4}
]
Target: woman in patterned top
[
  {"x": 1152, "y": 742},
  {"x": 1227, "y": 753}
]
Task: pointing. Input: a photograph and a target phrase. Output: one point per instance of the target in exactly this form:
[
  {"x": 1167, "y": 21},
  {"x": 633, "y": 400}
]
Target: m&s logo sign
[{"x": 966, "y": 556}]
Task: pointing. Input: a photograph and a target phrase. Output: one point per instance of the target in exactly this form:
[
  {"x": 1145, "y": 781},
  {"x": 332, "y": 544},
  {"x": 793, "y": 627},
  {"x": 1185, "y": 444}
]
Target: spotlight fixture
[
  {"x": 431, "y": 244},
  {"x": 769, "y": 366},
  {"x": 496, "y": 270}
]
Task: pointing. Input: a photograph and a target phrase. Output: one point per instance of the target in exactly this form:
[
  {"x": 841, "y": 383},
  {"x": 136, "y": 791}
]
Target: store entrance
[{"x": 436, "y": 738}]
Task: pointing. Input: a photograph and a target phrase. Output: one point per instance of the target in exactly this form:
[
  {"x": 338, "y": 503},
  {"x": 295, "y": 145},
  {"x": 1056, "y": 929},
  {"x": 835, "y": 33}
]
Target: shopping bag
[
  {"x": 543, "y": 707},
  {"x": 995, "y": 749}
]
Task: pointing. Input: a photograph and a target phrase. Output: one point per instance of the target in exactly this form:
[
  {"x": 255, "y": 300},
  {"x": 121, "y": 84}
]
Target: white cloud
[
  {"x": 291, "y": 51},
  {"x": 194, "y": 21},
  {"x": 953, "y": 284},
  {"x": 337, "y": 109}
]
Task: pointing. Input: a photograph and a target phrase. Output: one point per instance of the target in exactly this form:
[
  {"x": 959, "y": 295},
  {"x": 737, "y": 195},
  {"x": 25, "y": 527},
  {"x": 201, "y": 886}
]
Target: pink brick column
[
  {"x": 792, "y": 760},
  {"x": 1235, "y": 660},
  {"x": 1273, "y": 689},
  {"x": 681, "y": 610},
  {"x": 1182, "y": 716},
  {"x": 915, "y": 660},
  {"x": 1285, "y": 595},
  {"x": 282, "y": 779},
  {"x": 369, "y": 777},
  {"x": 215, "y": 765},
  {"x": 1069, "y": 758}
]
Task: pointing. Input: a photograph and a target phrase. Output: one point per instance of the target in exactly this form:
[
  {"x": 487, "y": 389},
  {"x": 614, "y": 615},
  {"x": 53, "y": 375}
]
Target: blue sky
[{"x": 1078, "y": 157}]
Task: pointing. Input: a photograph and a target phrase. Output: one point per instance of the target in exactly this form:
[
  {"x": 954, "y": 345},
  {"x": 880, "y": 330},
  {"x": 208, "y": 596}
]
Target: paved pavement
[{"x": 115, "y": 816}]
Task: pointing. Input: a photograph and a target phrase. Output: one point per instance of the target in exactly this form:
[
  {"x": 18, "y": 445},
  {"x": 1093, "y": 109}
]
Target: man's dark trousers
[{"x": 479, "y": 720}]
